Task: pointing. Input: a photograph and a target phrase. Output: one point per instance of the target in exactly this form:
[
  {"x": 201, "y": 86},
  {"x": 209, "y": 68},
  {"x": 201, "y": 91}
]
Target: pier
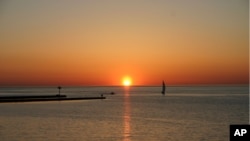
[{"x": 37, "y": 98}]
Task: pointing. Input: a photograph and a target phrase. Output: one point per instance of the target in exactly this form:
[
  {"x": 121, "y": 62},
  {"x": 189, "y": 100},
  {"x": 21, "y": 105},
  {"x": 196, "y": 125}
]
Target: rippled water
[{"x": 134, "y": 114}]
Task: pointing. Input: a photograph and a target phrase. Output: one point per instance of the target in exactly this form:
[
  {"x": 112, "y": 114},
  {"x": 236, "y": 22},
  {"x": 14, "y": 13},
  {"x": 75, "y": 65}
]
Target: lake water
[{"x": 132, "y": 114}]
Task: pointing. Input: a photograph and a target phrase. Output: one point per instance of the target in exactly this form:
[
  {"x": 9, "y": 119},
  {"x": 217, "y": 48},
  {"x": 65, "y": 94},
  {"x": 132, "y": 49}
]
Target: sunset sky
[{"x": 99, "y": 42}]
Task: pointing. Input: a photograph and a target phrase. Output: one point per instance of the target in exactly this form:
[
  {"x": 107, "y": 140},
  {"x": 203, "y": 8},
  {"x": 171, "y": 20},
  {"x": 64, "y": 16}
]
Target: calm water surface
[{"x": 134, "y": 114}]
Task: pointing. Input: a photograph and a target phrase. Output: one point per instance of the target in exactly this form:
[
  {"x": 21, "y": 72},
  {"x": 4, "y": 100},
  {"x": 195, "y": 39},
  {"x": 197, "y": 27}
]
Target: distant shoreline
[{"x": 168, "y": 85}]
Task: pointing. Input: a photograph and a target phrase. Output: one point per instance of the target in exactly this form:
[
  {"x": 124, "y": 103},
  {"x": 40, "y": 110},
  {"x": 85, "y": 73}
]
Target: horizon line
[{"x": 171, "y": 85}]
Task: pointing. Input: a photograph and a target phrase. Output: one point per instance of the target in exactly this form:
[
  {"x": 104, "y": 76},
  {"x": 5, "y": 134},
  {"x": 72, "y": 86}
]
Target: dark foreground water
[{"x": 132, "y": 114}]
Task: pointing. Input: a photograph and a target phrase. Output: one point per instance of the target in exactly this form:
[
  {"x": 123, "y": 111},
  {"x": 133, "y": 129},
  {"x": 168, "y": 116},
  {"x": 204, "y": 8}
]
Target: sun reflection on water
[{"x": 126, "y": 117}]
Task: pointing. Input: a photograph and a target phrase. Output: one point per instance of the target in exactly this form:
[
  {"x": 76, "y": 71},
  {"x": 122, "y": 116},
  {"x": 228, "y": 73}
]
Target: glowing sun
[{"x": 127, "y": 81}]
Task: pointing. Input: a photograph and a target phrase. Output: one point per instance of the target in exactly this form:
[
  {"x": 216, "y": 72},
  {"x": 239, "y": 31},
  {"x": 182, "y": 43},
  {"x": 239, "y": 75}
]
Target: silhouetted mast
[{"x": 163, "y": 88}]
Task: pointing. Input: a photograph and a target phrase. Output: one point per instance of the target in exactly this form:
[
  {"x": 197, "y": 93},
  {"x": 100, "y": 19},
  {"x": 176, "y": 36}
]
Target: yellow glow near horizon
[
  {"x": 127, "y": 81},
  {"x": 98, "y": 45}
]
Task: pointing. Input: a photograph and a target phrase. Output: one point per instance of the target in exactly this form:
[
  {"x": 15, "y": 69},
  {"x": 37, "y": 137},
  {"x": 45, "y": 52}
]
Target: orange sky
[{"x": 98, "y": 42}]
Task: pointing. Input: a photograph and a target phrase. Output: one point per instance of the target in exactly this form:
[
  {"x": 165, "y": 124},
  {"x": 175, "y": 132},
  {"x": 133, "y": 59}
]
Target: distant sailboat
[{"x": 163, "y": 88}]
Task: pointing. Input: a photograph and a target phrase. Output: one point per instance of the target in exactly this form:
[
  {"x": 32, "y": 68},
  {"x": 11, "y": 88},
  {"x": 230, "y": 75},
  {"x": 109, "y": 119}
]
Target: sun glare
[{"x": 127, "y": 81}]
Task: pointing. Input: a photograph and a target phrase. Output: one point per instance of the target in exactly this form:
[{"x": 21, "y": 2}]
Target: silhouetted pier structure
[
  {"x": 5, "y": 99},
  {"x": 37, "y": 98}
]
